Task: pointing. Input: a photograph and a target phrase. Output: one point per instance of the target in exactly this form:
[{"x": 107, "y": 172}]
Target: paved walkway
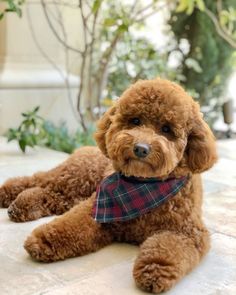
[{"x": 109, "y": 271}]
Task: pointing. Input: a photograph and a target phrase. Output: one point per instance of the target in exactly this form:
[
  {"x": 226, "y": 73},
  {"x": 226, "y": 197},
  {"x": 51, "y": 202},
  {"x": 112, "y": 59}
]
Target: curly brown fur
[
  {"x": 173, "y": 237},
  {"x": 12, "y": 187},
  {"x": 163, "y": 260},
  {"x": 55, "y": 191},
  {"x": 74, "y": 234}
]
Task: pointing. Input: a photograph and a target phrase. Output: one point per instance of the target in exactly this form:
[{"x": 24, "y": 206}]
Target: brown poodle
[{"x": 154, "y": 131}]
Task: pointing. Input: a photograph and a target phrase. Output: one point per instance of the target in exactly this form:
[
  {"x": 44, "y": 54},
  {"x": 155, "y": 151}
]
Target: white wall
[{"x": 26, "y": 77}]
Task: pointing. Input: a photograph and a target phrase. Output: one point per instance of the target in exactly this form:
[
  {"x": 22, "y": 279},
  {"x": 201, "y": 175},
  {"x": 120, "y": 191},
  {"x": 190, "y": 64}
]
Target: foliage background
[
  {"x": 201, "y": 40},
  {"x": 215, "y": 58}
]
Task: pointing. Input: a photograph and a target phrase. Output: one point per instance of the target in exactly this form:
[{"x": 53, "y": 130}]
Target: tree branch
[
  {"x": 143, "y": 9},
  {"x": 90, "y": 74},
  {"x": 133, "y": 7},
  {"x": 224, "y": 34},
  {"x": 152, "y": 12},
  {"x": 54, "y": 65},
  {"x": 102, "y": 73},
  {"x": 60, "y": 21},
  {"x": 55, "y": 32},
  {"x": 83, "y": 65}
]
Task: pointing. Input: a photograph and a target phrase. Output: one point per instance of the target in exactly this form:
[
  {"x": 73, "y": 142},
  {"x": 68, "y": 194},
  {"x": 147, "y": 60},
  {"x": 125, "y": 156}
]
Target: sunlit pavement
[{"x": 109, "y": 271}]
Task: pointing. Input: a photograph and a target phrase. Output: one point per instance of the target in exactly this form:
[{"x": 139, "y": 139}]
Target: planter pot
[{"x": 228, "y": 109}]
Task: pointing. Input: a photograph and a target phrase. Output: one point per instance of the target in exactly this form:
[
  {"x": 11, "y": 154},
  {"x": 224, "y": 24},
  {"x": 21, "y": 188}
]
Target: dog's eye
[
  {"x": 166, "y": 129},
  {"x": 135, "y": 121}
]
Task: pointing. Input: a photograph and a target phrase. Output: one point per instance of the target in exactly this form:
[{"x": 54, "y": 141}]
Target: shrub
[{"x": 35, "y": 130}]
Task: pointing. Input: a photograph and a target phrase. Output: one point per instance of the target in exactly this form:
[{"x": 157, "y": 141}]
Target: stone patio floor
[{"x": 109, "y": 271}]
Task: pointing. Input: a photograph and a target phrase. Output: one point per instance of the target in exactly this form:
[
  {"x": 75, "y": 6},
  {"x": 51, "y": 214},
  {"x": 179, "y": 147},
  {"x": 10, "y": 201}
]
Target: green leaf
[
  {"x": 22, "y": 144},
  {"x": 190, "y": 8},
  {"x": 34, "y": 139},
  {"x": 11, "y": 134},
  {"x": 96, "y": 5},
  {"x": 18, "y": 11},
  {"x": 30, "y": 140},
  {"x": 123, "y": 28},
  {"x": 183, "y": 5},
  {"x": 9, "y": 10},
  {"x": 200, "y": 5},
  {"x": 224, "y": 19},
  {"x": 109, "y": 22},
  {"x": 12, "y": 5},
  {"x": 34, "y": 130},
  {"x": 1, "y": 15},
  {"x": 36, "y": 109},
  {"x": 193, "y": 64}
]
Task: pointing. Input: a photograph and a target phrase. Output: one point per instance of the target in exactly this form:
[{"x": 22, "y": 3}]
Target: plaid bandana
[{"x": 120, "y": 198}]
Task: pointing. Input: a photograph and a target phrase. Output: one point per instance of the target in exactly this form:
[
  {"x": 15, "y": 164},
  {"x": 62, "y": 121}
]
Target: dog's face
[{"x": 156, "y": 129}]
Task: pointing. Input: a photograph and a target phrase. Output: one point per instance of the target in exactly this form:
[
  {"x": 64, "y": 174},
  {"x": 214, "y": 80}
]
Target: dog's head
[{"x": 156, "y": 129}]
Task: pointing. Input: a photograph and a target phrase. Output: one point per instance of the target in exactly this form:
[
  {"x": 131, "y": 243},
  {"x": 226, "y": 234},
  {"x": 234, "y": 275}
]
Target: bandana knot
[{"x": 121, "y": 198}]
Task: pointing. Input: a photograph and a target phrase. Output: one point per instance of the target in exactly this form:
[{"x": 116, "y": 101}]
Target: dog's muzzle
[{"x": 142, "y": 150}]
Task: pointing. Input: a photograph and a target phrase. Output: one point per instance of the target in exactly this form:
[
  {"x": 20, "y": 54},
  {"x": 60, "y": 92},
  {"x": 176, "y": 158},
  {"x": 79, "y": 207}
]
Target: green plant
[
  {"x": 34, "y": 130},
  {"x": 134, "y": 59},
  {"x": 108, "y": 25},
  {"x": 59, "y": 138},
  {"x": 29, "y": 132},
  {"x": 11, "y": 6},
  {"x": 105, "y": 25},
  {"x": 212, "y": 55}
]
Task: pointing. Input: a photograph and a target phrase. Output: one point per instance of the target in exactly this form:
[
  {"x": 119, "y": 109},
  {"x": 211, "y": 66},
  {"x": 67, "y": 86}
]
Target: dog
[{"x": 152, "y": 146}]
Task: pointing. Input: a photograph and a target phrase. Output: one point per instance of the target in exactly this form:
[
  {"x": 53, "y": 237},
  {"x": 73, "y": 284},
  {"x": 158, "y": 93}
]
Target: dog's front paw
[
  {"x": 155, "y": 276},
  {"x": 4, "y": 199},
  {"x": 11, "y": 189},
  {"x": 7, "y": 195},
  {"x": 21, "y": 214},
  {"x": 29, "y": 205},
  {"x": 40, "y": 245},
  {"x": 163, "y": 260}
]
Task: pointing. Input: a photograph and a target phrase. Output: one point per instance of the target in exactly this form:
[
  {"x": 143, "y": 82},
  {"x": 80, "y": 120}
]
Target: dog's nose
[
  {"x": 10, "y": 211},
  {"x": 141, "y": 150}
]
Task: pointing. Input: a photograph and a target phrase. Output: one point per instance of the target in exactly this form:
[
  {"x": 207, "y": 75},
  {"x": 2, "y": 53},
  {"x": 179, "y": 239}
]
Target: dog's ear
[
  {"x": 201, "y": 147},
  {"x": 102, "y": 127}
]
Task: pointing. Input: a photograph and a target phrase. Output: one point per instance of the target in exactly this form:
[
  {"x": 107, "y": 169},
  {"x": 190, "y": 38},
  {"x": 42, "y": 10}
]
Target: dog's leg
[
  {"x": 73, "y": 234},
  {"x": 74, "y": 179},
  {"x": 12, "y": 187},
  {"x": 166, "y": 257},
  {"x": 37, "y": 202}
]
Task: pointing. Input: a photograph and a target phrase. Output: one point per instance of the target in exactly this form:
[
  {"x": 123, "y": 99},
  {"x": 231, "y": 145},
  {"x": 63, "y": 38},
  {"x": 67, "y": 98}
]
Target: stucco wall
[{"x": 27, "y": 79}]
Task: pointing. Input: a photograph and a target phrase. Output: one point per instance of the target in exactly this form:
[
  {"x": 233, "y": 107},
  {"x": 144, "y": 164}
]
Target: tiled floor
[{"x": 109, "y": 271}]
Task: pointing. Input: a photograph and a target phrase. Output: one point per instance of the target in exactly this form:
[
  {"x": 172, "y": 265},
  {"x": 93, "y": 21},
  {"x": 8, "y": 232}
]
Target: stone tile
[
  {"x": 227, "y": 148},
  {"x": 109, "y": 271},
  {"x": 213, "y": 186},
  {"x": 11, "y": 152},
  {"x": 91, "y": 264},
  {"x": 64, "y": 271},
  {"x": 14, "y": 163},
  {"x": 220, "y": 211},
  {"x": 115, "y": 280},
  {"x": 224, "y": 172},
  {"x": 19, "y": 278},
  {"x": 12, "y": 232},
  {"x": 215, "y": 275}
]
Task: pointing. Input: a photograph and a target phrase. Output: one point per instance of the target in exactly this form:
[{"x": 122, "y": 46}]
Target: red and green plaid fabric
[{"x": 121, "y": 198}]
